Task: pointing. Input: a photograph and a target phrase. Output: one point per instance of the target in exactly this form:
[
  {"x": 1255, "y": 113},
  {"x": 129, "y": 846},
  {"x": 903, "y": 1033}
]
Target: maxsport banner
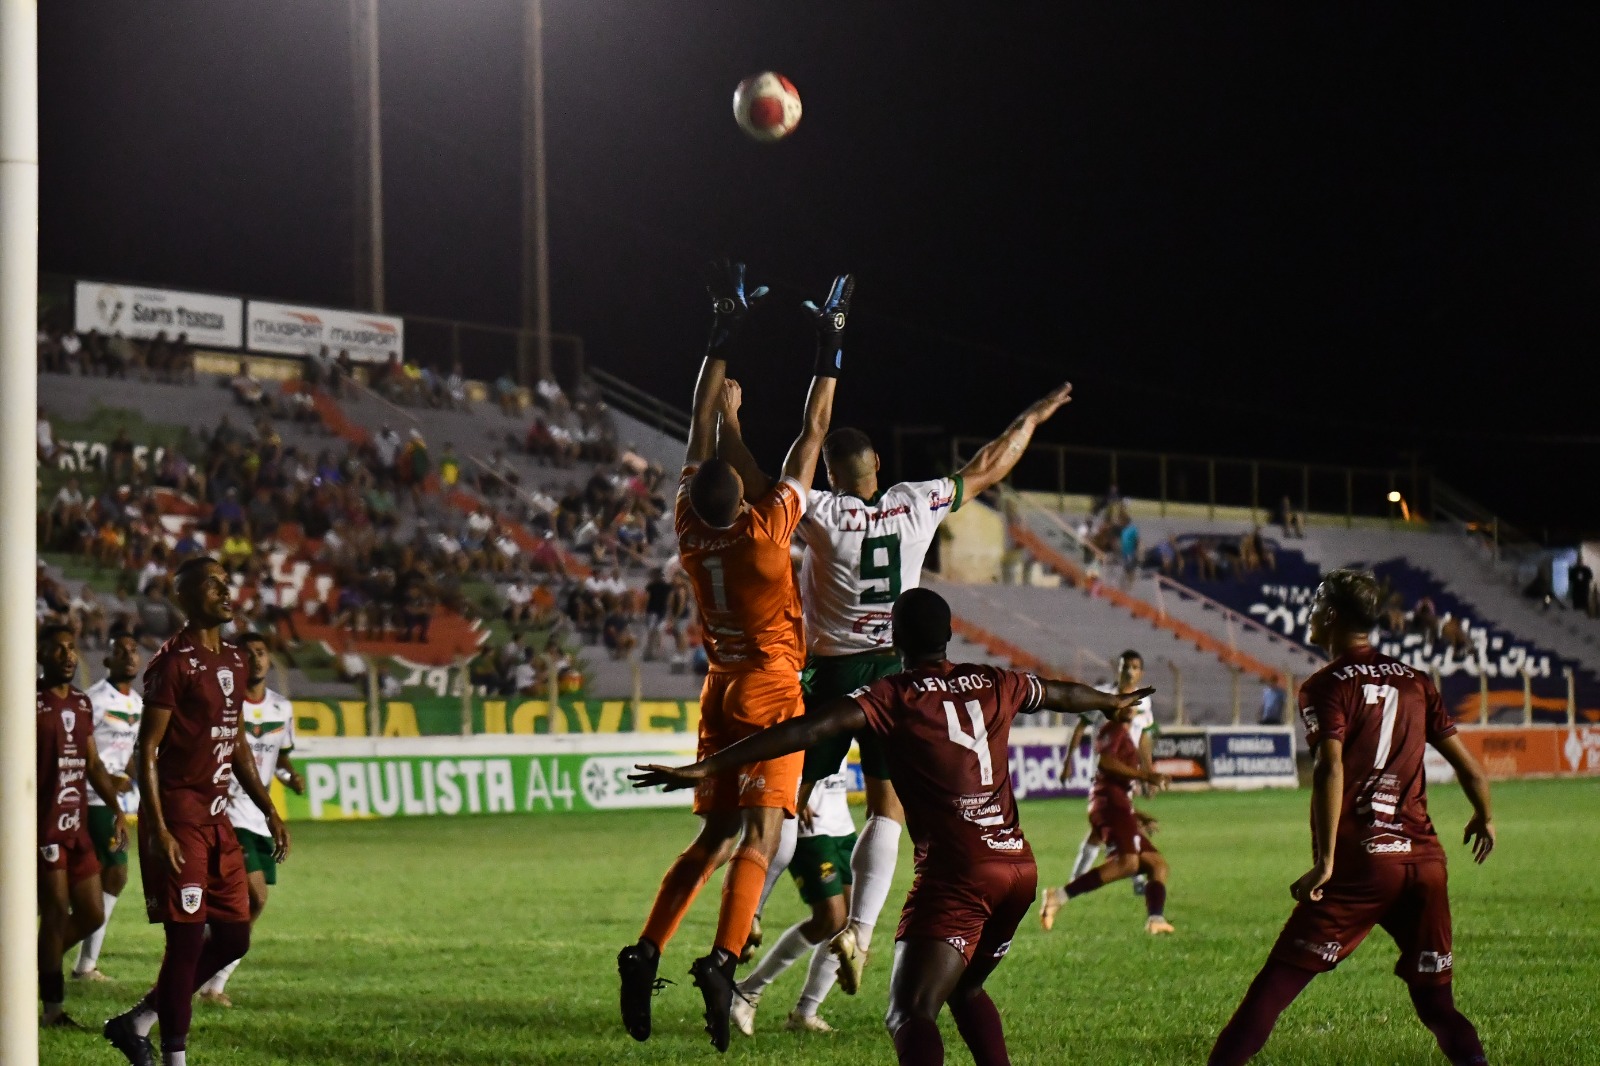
[{"x": 289, "y": 329}]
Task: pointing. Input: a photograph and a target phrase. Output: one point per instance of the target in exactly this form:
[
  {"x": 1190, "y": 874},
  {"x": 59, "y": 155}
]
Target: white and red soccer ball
[{"x": 767, "y": 106}]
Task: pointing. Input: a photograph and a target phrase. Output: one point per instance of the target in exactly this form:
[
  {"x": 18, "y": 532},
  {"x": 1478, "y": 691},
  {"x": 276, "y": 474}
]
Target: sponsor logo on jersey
[
  {"x": 190, "y": 897},
  {"x": 938, "y": 501},
  {"x": 1435, "y": 962},
  {"x": 1004, "y": 845},
  {"x": 1309, "y": 715},
  {"x": 1387, "y": 844}
]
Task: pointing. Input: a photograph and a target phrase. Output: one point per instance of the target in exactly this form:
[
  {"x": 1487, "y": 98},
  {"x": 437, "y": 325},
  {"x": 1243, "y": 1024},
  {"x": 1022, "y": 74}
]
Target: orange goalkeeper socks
[
  {"x": 685, "y": 877},
  {"x": 741, "y": 895}
]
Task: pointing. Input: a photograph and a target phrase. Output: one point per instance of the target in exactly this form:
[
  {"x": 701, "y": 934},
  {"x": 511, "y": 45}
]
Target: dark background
[{"x": 1331, "y": 233}]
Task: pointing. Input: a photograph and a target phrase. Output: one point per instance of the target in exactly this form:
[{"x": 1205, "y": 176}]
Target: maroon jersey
[
  {"x": 203, "y": 690},
  {"x": 946, "y": 731},
  {"x": 1386, "y": 713},
  {"x": 1113, "y": 792},
  {"x": 65, "y": 727}
]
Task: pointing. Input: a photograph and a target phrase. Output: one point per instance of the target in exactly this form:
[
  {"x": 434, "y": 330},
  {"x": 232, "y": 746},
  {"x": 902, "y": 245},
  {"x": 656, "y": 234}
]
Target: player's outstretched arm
[
  {"x": 152, "y": 731},
  {"x": 730, "y": 304},
  {"x": 829, "y": 319},
  {"x": 797, "y": 734},
  {"x": 731, "y": 447},
  {"x": 1327, "y": 793},
  {"x": 995, "y": 459},
  {"x": 1480, "y": 830},
  {"x": 1069, "y": 697},
  {"x": 244, "y": 771}
]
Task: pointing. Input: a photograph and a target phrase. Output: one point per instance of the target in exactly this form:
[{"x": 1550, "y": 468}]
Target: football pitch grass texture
[{"x": 493, "y": 940}]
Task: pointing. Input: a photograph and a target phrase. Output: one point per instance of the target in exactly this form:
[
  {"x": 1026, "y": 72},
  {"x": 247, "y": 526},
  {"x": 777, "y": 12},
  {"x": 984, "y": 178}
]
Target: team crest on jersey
[
  {"x": 68, "y": 720},
  {"x": 190, "y": 898},
  {"x": 50, "y": 852},
  {"x": 225, "y": 680}
]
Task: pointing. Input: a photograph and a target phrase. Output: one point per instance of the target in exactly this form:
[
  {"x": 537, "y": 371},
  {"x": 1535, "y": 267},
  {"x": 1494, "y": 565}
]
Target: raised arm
[
  {"x": 731, "y": 447},
  {"x": 797, "y": 734},
  {"x": 829, "y": 319},
  {"x": 995, "y": 459},
  {"x": 1480, "y": 830},
  {"x": 729, "y": 306}
]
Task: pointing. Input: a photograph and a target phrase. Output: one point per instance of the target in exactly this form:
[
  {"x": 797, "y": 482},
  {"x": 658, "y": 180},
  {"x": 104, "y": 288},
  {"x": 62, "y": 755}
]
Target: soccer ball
[{"x": 767, "y": 106}]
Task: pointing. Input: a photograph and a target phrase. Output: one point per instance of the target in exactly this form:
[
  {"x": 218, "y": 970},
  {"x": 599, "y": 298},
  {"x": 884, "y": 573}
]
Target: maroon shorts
[
  {"x": 1409, "y": 900},
  {"x": 212, "y": 886},
  {"x": 1119, "y": 831},
  {"x": 976, "y": 912},
  {"x": 75, "y": 855}
]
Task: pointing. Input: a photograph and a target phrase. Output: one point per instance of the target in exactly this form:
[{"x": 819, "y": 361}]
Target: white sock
[
  {"x": 219, "y": 980},
  {"x": 175, "y": 1058},
  {"x": 144, "y": 1020},
  {"x": 780, "y": 859},
  {"x": 89, "y": 950},
  {"x": 1088, "y": 855},
  {"x": 872, "y": 868},
  {"x": 790, "y": 949},
  {"x": 819, "y": 982}
]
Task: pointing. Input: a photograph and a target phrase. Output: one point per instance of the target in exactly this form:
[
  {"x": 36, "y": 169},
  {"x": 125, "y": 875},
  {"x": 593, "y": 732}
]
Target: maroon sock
[
  {"x": 1087, "y": 883},
  {"x": 1155, "y": 899},
  {"x": 1436, "y": 1006},
  {"x": 917, "y": 1043},
  {"x": 175, "y": 983},
  {"x": 1273, "y": 989},
  {"x": 228, "y": 941},
  {"x": 979, "y": 1022}
]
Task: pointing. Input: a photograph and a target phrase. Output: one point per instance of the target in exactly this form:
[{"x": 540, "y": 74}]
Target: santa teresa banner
[{"x": 142, "y": 313}]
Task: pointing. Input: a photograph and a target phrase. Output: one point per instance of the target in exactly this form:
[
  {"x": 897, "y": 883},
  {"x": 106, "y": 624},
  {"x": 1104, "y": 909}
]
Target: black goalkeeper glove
[
  {"x": 729, "y": 304},
  {"x": 830, "y": 320}
]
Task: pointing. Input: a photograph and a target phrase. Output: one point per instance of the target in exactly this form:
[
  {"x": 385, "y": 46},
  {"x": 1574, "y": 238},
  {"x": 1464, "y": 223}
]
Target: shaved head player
[
  {"x": 946, "y": 730},
  {"x": 191, "y": 748},
  {"x": 1378, "y": 862}
]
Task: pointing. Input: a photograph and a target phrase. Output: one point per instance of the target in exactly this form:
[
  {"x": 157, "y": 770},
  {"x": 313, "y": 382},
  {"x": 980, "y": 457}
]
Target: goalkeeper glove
[
  {"x": 830, "y": 320},
  {"x": 729, "y": 304}
]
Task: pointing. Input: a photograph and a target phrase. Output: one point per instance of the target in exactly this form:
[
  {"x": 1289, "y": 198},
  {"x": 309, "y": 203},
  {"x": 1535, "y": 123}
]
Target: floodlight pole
[
  {"x": 368, "y": 149},
  {"x": 19, "y": 391},
  {"x": 535, "y": 219}
]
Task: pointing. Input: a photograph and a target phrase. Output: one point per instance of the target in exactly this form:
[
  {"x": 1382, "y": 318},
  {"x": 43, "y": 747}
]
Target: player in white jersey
[
  {"x": 821, "y": 871},
  {"x": 864, "y": 546},
  {"x": 118, "y": 707},
  {"x": 268, "y": 722},
  {"x": 1142, "y": 728}
]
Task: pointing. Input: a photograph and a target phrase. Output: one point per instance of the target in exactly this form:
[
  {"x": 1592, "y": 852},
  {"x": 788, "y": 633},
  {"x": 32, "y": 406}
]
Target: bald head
[{"x": 850, "y": 459}]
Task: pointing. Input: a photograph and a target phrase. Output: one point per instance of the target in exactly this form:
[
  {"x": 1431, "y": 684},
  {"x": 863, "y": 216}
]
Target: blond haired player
[
  {"x": 865, "y": 544},
  {"x": 736, "y": 556}
]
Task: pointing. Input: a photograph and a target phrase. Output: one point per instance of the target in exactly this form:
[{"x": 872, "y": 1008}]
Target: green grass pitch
[{"x": 492, "y": 940}]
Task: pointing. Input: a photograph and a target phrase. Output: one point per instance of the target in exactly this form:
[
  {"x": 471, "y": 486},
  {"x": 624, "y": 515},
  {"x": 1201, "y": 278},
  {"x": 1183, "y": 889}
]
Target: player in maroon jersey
[
  {"x": 946, "y": 729},
  {"x": 1123, "y": 831},
  {"x": 190, "y": 748},
  {"x": 1376, "y": 858},
  {"x": 69, "y": 873}
]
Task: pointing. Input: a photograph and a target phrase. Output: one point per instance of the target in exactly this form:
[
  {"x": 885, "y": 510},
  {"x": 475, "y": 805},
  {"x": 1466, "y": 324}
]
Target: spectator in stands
[
  {"x": 449, "y": 467},
  {"x": 158, "y": 620},
  {"x": 1392, "y": 620},
  {"x": 482, "y": 673},
  {"x": 386, "y": 449},
  {"x": 1580, "y": 585},
  {"x": 547, "y": 394},
  {"x": 455, "y": 388},
  {"x": 1130, "y": 548},
  {"x": 1164, "y": 557},
  {"x": 180, "y": 367},
  {"x": 276, "y": 616},
  {"x": 618, "y": 635},
  {"x": 1292, "y": 521},
  {"x": 247, "y": 389},
  {"x": 1454, "y": 635},
  {"x": 508, "y": 396},
  {"x": 65, "y": 515},
  {"x": 414, "y": 467},
  {"x": 119, "y": 457},
  {"x": 45, "y": 440},
  {"x": 1272, "y": 704},
  {"x": 1261, "y": 549},
  {"x": 237, "y": 550},
  {"x": 1203, "y": 553},
  {"x": 228, "y": 513},
  {"x": 1425, "y": 620}
]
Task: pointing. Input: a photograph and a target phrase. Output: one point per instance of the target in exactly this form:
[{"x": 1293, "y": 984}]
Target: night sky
[{"x": 1311, "y": 232}]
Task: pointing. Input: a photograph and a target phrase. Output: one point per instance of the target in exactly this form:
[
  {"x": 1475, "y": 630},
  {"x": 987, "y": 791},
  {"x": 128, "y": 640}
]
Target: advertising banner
[
  {"x": 1045, "y": 771},
  {"x": 290, "y": 329},
  {"x": 421, "y": 785},
  {"x": 139, "y": 312},
  {"x": 1252, "y": 758},
  {"x": 430, "y": 716},
  {"x": 1181, "y": 754},
  {"x": 1527, "y": 751}
]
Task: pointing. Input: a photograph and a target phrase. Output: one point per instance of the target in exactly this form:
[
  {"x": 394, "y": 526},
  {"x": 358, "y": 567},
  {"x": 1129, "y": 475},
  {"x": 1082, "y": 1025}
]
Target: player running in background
[
  {"x": 70, "y": 905},
  {"x": 117, "y": 710},
  {"x": 269, "y": 730},
  {"x": 1142, "y": 728},
  {"x": 821, "y": 869},
  {"x": 946, "y": 730},
  {"x": 865, "y": 544},
  {"x": 736, "y": 556},
  {"x": 1377, "y": 860},
  {"x": 191, "y": 747},
  {"x": 1114, "y": 822}
]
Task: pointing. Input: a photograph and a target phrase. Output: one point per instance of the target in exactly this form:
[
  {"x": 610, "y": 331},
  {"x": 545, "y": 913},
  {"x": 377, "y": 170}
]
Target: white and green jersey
[
  {"x": 116, "y": 728},
  {"x": 1144, "y": 719},
  {"x": 830, "y": 806},
  {"x": 269, "y": 728},
  {"x": 861, "y": 554}
]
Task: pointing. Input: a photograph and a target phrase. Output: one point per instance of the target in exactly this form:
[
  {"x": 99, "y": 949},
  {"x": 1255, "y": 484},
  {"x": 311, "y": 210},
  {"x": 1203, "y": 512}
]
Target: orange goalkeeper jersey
[{"x": 743, "y": 580}]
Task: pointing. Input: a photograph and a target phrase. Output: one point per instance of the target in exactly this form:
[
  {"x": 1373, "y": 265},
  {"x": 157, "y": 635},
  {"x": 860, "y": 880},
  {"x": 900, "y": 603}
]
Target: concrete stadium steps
[{"x": 1080, "y": 636}]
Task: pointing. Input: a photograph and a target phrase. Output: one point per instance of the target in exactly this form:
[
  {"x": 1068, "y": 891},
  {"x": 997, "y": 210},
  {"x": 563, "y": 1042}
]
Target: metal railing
[{"x": 642, "y": 405}]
